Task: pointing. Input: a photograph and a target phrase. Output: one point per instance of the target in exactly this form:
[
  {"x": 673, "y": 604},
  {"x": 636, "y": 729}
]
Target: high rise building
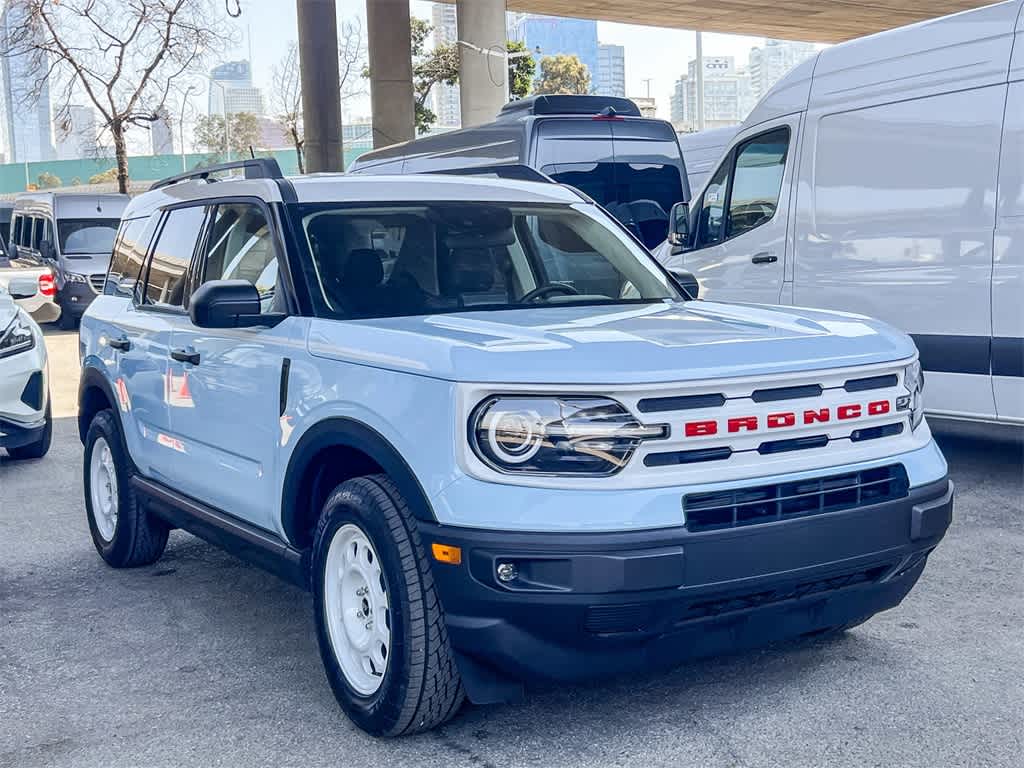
[
  {"x": 727, "y": 95},
  {"x": 611, "y": 70},
  {"x": 232, "y": 91},
  {"x": 26, "y": 92},
  {"x": 552, "y": 35},
  {"x": 767, "y": 64},
  {"x": 76, "y": 133},
  {"x": 160, "y": 134},
  {"x": 447, "y": 106}
]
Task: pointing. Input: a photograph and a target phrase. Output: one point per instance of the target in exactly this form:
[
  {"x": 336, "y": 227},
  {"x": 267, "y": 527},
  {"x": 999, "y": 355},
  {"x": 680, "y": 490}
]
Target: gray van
[
  {"x": 601, "y": 145},
  {"x": 6, "y": 211},
  {"x": 73, "y": 234}
]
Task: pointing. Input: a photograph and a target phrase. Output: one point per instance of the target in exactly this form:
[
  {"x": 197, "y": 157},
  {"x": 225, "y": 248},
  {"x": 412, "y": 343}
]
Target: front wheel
[{"x": 380, "y": 625}]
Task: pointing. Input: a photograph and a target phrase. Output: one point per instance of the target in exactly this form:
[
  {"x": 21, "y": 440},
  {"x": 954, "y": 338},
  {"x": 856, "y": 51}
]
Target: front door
[
  {"x": 739, "y": 247},
  {"x": 226, "y": 394}
]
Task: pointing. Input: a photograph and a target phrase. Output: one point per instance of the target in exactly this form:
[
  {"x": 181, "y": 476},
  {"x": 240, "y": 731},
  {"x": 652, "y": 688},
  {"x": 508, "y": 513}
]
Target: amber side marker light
[{"x": 445, "y": 553}]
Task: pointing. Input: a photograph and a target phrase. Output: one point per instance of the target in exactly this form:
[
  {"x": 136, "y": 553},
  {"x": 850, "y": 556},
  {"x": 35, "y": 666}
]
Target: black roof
[{"x": 566, "y": 104}]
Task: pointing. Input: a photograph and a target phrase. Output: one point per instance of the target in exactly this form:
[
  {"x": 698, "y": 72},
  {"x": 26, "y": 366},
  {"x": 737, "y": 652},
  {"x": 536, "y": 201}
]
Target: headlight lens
[
  {"x": 74, "y": 277},
  {"x": 557, "y": 435},
  {"x": 16, "y": 337},
  {"x": 913, "y": 380}
]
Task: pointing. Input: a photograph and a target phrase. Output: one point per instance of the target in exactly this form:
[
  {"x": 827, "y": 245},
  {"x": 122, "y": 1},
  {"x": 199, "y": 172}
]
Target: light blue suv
[{"x": 491, "y": 435}]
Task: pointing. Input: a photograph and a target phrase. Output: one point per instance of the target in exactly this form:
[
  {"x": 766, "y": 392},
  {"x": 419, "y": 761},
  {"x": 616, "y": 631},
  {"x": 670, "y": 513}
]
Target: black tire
[
  {"x": 67, "y": 321},
  {"x": 40, "y": 447},
  {"x": 421, "y": 687},
  {"x": 139, "y": 537}
]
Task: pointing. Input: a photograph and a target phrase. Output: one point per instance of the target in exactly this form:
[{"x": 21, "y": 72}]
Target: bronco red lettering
[
  {"x": 821, "y": 414},
  {"x": 701, "y": 428},
  {"x": 781, "y": 420},
  {"x": 746, "y": 422},
  {"x": 878, "y": 407},
  {"x": 848, "y": 411}
]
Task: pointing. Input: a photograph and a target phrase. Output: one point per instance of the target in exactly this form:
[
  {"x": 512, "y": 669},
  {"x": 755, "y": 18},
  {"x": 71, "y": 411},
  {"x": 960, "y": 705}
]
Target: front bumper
[
  {"x": 75, "y": 298},
  {"x": 591, "y": 605}
]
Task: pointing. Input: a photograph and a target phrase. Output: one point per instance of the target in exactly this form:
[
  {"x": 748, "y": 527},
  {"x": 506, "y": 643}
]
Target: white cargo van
[{"x": 885, "y": 176}]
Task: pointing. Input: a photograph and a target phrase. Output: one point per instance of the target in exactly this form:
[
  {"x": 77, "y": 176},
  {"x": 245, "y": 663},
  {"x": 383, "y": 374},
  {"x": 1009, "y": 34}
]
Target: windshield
[
  {"x": 637, "y": 194},
  {"x": 86, "y": 235},
  {"x": 403, "y": 260}
]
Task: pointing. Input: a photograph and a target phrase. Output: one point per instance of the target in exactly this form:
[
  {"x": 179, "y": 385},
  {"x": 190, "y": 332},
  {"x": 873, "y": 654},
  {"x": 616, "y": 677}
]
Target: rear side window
[
  {"x": 37, "y": 232},
  {"x": 241, "y": 247},
  {"x": 168, "y": 266},
  {"x": 128, "y": 256}
]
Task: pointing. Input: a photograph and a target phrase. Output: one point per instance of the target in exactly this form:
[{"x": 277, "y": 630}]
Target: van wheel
[
  {"x": 40, "y": 447},
  {"x": 379, "y": 622},
  {"x": 66, "y": 321},
  {"x": 123, "y": 532}
]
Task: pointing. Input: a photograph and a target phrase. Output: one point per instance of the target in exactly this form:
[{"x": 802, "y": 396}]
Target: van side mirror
[
  {"x": 686, "y": 282},
  {"x": 679, "y": 227},
  {"x": 47, "y": 251},
  {"x": 229, "y": 304}
]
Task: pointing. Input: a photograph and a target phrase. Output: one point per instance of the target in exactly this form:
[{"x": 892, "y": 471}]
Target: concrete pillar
[
  {"x": 321, "y": 91},
  {"x": 483, "y": 64},
  {"x": 390, "y": 61}
]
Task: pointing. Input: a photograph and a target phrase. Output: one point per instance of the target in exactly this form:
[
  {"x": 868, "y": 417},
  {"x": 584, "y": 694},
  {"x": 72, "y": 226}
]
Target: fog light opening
[{"x": 507, "y": 572}]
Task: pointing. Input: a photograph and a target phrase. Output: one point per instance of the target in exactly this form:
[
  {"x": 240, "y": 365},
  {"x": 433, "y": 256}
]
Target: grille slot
[
  {"x": 871, "y": 382},
  {"x": 680, "y": 403},
  {"x": 672, "y": 458},
  {"x": 786, "y": 393},
  {"x": 97, "y": 281},
  {"x": 802, "y": 498}
]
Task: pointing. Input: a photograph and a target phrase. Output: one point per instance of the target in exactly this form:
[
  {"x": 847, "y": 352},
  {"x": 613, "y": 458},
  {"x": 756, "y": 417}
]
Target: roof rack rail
[
  {"x": 254, "y": 168},
  {"x": 514, "y": 171}
]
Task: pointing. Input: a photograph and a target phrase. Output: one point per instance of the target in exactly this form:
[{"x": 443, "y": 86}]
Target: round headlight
[{"x": 515, "y": 436}]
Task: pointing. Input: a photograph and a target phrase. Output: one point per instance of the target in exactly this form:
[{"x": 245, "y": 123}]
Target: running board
[{"x": 241, "y": 539}]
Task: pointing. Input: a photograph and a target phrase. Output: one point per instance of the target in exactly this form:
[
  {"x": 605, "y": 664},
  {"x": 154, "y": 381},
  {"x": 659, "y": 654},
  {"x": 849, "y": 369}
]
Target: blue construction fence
[{"x": 53, "y": 174}]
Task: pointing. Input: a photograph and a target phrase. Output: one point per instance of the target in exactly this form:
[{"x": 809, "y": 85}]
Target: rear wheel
[
  {"x": 40, "y": 447},
  {"x": 124, "y": 533},
  {"x": 67, "y": 321},
  {"x": 380, "y": 625}
]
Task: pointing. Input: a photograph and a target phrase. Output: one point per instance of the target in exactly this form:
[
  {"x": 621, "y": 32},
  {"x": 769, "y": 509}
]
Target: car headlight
[
  {"x": 913, "y": 380},
  {"x": 557, "y": 435},
  {"x": 74, "y": 277},
  {"x": 16, "y": 337}
]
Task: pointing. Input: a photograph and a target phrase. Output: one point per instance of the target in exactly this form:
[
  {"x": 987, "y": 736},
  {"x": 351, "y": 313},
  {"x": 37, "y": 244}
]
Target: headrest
[
  {"x": 364, "y": 269},
  {"x": 469, "y": 270}
]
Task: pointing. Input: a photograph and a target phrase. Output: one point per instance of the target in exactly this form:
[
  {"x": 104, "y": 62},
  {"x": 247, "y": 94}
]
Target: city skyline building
[
  {"x": 231, "y": 90},
  {"x": 446, "y": 102},
  {"x": 552, "y": 35},
  {"x": 768, "y": 63},
  {"x": 76, "y": 134},
  {"x": 161, "y": 136},
  {"x": 611, "y": 70},
  {"x": 26, "y": 96},
  {"x": 727, "y": 95}
]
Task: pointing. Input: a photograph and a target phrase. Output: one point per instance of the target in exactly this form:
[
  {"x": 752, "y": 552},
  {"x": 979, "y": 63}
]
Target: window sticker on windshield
[{"x": 712, "y": 197}]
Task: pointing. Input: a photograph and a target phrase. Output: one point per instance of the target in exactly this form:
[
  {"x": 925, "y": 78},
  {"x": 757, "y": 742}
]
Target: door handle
[
  {"x": 184, "y": 356},
  {"x": 122, "y": 344},
  {"x": 765, "y": 258}
]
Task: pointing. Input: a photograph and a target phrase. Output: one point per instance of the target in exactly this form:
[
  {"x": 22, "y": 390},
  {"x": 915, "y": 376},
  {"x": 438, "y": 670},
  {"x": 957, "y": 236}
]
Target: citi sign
[{"x": 784, "y": 419}]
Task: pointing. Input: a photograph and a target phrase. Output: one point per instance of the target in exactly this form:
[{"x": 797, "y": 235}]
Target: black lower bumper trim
[{"x": 17, "y": 435}]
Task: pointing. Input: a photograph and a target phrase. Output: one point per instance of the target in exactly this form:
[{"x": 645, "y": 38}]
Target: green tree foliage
[
  {"x": 440, "y": 65},
  {"x": 563, "y": 73},
  {"x": 243, "y": 131},
  {"x": 521, "y": 70},
  {"x": 47, "y": 180}
]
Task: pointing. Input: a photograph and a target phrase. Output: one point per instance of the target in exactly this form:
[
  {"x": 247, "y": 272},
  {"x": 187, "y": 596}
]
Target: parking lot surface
[{"x": 204, "y": 660}]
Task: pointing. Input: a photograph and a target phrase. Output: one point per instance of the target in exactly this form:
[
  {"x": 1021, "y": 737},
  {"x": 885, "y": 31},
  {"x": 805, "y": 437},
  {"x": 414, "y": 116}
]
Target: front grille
[
  {"x": 801, "y": 498},
  {"x": 97, "y": 281}
]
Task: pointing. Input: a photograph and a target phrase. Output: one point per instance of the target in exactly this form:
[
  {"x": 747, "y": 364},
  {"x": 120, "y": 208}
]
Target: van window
[
  {"x": 712, "y": 207},
  {"x": 37, "y": 232},
  {"x": 756, "y": 181},
  {"x": 17, "y": 227},
  {"x": 128, "y": 255},
  {"x": 241, "y": 247},
  {"x": 168, "y": 266},
  {"x": 86, "y": 236}
]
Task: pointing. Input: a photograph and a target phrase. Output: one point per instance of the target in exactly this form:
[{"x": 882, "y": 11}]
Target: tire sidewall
[
  {"x": 119, "y": 547},
  {"x": 379, "y": 711}
]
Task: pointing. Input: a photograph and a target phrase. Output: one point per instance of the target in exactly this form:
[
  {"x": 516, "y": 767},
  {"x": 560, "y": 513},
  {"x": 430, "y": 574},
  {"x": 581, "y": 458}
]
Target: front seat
[{"x": 360, "y": 286}]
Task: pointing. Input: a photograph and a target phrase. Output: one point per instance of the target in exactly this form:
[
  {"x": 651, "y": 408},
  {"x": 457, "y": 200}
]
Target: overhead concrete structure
[
  {"x": 321, "y": 92},
  {"x": 819, "y": 21},
  {"x": 388, "y": 36},
  {"x": 483, "y": 66}
]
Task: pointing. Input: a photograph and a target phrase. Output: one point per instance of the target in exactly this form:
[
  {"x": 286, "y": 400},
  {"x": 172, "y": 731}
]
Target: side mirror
[
  {"x": 679, "y": 226},
  {"x": 228, "y": 304},
  {"x": 686, "y": 281},
  {"x": 22, "y": 288},
  {"x": 46, "y": 250}
]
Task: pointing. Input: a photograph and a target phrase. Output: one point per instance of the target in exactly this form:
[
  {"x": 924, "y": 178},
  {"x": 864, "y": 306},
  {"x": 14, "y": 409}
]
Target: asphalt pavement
[{"x": 203, "y": 660}]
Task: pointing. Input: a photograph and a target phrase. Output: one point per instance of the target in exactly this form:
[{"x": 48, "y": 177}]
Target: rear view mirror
[
  {"x": 228, "y": 304},
  {"x": 686, "y": 281},
  {"x": 679, "y": 227}
]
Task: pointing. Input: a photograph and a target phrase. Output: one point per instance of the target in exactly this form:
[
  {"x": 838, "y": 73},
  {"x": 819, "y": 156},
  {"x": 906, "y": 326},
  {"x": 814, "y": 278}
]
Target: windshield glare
[
  {"x": 409, "y": 260},
  {"x": 86, "y": 235}
]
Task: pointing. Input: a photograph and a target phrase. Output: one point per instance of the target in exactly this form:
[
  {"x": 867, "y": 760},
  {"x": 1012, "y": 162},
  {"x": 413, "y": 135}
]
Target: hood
[
  {"x": 652, "y": 343},
  {"x": 86, "y": 263}
]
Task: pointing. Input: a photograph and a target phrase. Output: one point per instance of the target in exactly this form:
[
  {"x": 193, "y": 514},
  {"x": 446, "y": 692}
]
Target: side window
[
  {"x": 37, "y": 232},
  {"x": 129, "y": 253},
  {"x": 756, "y": 181},
  {"x": 241, "y": 247},
  {"x": 168, "y": 266},
  {"x": 712, "y": 209}
]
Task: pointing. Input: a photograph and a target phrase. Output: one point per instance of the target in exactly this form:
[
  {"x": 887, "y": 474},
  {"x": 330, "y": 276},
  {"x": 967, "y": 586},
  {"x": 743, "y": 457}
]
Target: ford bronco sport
[{"x": 491, "y": 435}]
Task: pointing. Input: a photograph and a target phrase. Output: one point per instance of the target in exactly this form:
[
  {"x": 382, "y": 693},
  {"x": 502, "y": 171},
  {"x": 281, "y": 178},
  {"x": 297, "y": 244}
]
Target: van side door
[{"x": 739, "y": 246}]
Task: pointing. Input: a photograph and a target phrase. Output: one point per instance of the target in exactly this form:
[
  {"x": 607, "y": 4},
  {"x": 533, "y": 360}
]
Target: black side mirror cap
[
  {"x": 229, "y": 304},
  {"x": 686, "y": 282},
  {"x": 679, "y": 227}
]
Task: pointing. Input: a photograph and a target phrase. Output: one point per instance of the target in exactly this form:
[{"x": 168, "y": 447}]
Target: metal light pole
[
  {"x": 181, "y": 125},
  {"x": 700, "y": 83}
]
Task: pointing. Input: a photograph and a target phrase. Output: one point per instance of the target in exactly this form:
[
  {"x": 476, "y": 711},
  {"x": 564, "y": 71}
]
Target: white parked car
[
  {"x": 885, "y": 177},
  {"x": 25, "y": 422}
]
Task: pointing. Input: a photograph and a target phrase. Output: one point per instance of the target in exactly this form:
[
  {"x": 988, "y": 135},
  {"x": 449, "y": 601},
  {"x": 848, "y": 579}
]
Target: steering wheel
[{"x": 543, "y": 290}]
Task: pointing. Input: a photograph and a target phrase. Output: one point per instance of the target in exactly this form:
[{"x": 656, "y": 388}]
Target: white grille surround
[{"x": 725, "y": 399}]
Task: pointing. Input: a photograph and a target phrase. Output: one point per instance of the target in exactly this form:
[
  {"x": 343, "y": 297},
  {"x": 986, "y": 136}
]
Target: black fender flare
[
  {"x": 93, "y": 378},
  {"x": 348, "y": 433}
]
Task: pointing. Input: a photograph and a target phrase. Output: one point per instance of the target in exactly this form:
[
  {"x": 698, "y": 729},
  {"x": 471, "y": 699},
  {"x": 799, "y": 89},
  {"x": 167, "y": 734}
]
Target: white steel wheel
[
  {"x": 103, "y": 488},
  {"x": 356, "y": 607}
]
